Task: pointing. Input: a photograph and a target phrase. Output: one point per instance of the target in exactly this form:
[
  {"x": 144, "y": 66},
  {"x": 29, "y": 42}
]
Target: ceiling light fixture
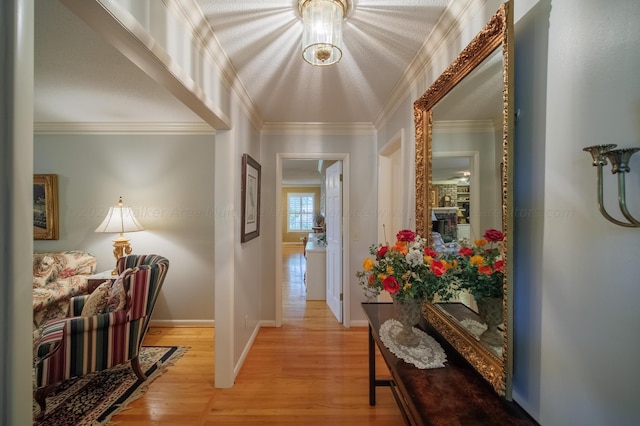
[{"x": 322, "y": 33}]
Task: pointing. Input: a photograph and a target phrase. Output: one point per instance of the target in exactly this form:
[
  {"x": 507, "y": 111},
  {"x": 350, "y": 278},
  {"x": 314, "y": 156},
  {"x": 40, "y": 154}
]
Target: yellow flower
[
  {"x": 405, "y": 276},
  {"x": 477, "y": 260},
  {"x": 368, "y": 264},
  {"x": 381, "y": 277},
  {"x": 428, "y": 259},
  {"x": 406, "y": 287},
  {"x": 480, "y": 243},
  {"x": 389, "y": 270}
]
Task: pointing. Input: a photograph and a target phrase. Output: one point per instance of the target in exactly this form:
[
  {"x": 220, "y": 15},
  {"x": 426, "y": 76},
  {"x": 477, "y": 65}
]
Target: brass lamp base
[{"x": 121, "y": 248}]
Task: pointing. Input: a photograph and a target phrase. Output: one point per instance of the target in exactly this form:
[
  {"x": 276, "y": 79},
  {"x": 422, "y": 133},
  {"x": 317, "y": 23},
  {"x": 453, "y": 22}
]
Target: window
[{"x": 300, "y": 211}]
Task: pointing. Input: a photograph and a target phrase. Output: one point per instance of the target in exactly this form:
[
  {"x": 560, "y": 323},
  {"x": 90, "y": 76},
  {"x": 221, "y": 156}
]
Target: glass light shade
[
  {"x": 322, "y": 33},
  {"x": 120, "y": 219}
]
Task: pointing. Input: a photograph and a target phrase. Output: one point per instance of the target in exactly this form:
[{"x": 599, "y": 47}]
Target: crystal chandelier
[{"x": 322, "y": 33}]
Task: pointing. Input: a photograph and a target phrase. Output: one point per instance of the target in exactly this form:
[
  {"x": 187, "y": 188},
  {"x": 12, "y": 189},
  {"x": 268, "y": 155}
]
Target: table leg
[{"x": 372, "y": 369}]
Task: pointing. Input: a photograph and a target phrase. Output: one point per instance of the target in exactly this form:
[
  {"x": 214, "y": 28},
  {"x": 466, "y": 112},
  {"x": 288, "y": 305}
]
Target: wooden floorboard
[{"x": 310, "y": 371}]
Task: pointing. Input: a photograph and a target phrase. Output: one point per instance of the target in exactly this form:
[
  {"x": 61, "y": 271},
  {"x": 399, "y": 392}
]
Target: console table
[{"x": 453, "y": 395}]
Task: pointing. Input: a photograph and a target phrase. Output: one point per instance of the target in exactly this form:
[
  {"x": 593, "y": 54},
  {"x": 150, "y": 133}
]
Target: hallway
[{"x": 310, "y": 371}]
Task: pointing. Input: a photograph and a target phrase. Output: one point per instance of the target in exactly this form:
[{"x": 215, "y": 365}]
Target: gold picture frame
[
  {"x": 45, "y": 207},
  {"x": 251, "y": 174}
]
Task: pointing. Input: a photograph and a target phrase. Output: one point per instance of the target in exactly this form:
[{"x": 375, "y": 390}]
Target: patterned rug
[{"x": 92, "y": 400}]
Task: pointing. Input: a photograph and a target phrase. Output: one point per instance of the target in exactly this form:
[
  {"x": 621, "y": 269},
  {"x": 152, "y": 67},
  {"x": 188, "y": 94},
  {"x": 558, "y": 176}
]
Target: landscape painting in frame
[
  {"x": 250, "y": 227},
  {"x": 45, "y": 207}
]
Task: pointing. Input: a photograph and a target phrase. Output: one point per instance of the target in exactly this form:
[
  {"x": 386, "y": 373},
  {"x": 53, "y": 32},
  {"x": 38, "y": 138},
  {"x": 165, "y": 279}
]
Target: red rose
[
  {"x": 406, "y": 235},
  {"x": 493, "y": 235},
  {"x": 438, "y": 268},
  {"x": 465, "y": 252},
  {"x": 382, "y": 251},
  {"x": 499, "y": 266},
  {"x": 428, "y": 252},
  {"x": 390, "y": 284}
]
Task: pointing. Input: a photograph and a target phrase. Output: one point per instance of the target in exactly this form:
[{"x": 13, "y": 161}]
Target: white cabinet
[{"x": 316, "y": 280}]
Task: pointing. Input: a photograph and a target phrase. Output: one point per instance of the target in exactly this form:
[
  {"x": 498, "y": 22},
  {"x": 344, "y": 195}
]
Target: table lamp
[{"x": 120, "y": 219}]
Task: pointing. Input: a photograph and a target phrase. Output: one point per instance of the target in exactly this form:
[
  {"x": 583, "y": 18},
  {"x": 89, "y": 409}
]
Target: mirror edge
[{"x": 497, "y": 32}]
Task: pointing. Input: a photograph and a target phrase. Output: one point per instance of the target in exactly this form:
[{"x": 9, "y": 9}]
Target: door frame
[
  {"x": 385, "y": 170},
  {"x": 346, "y": 288}
]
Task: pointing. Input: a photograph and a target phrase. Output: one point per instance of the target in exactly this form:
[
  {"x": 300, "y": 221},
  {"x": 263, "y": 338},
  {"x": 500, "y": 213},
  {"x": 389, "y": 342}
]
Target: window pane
[{"x": 300, "y": 211}]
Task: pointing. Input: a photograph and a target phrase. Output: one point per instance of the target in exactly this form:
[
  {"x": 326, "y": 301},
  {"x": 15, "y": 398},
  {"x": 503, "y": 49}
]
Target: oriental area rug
[{"x": 93, "y": 399}]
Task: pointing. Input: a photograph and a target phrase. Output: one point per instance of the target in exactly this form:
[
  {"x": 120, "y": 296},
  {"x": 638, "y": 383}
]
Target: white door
[{"x": 333, "y": 220}]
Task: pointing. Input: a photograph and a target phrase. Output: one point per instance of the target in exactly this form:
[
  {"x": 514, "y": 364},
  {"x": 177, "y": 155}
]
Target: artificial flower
[
  {"x": 367, "y": 264},
  {"x": 406, "y": 235},
  {"x": 405, "y": 269}
]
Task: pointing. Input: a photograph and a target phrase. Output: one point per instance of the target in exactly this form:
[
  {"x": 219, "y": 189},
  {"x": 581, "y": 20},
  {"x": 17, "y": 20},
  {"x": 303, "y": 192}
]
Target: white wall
[
  {"x": 362, "y": 213},
  {"x": 577, "y": 287},
  {"x": 16, "y": 226},
  {"x": 167, "y": 180}
]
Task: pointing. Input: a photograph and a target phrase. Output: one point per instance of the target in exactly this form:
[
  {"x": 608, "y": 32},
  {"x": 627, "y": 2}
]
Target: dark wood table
[{"x": 453, "y": 395}]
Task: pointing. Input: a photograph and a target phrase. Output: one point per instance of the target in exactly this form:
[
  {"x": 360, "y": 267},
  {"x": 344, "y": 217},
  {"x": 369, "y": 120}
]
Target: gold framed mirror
[{"x": 464, "y": 148}]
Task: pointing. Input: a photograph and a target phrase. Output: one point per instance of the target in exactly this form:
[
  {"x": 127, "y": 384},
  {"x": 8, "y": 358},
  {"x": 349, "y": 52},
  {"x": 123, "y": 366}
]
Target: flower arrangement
[
  {"x": 481, "y": 267},
  {"x": 408, "y": 270}
]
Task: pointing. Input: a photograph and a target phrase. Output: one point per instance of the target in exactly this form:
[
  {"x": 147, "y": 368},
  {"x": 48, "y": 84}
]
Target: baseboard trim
[
  {"x": 182, "y": 323},
  {"x": 359, "y": 323},
  {"x": 245, "y": 352}
]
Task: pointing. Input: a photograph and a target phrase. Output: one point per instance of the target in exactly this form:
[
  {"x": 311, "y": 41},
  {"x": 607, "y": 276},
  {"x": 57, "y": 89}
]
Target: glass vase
[
  {"x": 490, "y": 311},
  {"x": 408, "y": 313}
]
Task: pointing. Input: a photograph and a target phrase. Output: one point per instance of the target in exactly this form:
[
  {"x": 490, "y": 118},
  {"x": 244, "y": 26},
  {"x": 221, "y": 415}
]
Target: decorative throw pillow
[
  {"x": 118, "y": 299},
  {"x": 44, "y": 270},
  {"x": 97, "y": 301}
]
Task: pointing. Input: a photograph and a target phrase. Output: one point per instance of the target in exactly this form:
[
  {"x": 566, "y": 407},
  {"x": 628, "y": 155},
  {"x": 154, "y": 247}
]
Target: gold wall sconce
[{"x": 620, "y": 159}]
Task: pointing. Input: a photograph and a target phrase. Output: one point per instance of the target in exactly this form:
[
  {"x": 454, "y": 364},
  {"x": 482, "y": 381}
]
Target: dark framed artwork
[
  {"x": 251, "y": 173},
  {"x": 45, "y": 207}
]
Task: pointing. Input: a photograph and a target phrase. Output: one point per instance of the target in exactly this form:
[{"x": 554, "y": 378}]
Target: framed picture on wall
[
  {"x": 45, "y": 207},
  {"x": 250, "y": 211}
]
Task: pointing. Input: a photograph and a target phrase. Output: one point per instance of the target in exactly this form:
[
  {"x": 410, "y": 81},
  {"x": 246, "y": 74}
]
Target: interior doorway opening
[{"x": 344, "y": 250}]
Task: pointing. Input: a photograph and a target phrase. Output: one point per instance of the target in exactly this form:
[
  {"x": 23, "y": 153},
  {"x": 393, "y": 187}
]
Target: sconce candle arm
[
  {"x": 620, "y": 164},
  {"x": 603, "y": 210},
  {"x": 622, "y": 200}
]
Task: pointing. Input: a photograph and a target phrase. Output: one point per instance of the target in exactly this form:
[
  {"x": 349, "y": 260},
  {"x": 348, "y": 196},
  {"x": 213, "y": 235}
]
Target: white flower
[{"x": 414, "y": 258}]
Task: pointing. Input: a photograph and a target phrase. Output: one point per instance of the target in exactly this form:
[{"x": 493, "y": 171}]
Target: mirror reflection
[
  {"x": 466, "y": 157},
  {"x": 464, "y": 135}
]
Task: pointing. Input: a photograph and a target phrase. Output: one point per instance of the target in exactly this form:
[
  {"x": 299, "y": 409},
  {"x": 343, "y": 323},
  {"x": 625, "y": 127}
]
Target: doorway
[{"x": 345, "y": 230}]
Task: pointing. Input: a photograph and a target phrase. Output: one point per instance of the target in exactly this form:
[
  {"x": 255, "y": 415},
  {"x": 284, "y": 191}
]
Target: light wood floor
[{"x": 311, "y": 371}]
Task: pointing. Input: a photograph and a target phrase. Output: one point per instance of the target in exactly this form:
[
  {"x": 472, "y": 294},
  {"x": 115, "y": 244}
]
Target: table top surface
[{"x": 455, "y": 394}]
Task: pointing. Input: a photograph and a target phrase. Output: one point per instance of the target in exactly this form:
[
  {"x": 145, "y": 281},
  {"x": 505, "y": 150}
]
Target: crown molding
[
  {"x": 206, "y": 41},
  {"x": 442, "y": 36},
  {"x": 318, "y": 128},
  {"x": 86, "y": 128}
]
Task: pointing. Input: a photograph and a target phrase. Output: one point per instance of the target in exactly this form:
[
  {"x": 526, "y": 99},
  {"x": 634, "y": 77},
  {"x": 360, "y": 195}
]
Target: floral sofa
[{"x": 58, "y": 276}]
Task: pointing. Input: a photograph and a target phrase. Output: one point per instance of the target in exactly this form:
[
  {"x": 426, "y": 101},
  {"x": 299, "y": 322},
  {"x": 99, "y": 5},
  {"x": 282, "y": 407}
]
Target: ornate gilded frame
[
  {"x": 45, "y": 206},
  {"x": 498, "y": 32}
]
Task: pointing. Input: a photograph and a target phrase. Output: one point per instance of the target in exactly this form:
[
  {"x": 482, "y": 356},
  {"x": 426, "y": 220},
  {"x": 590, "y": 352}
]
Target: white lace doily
[
  {"x": 428, "y": 354},
  {"x": 477, "y": 328}
]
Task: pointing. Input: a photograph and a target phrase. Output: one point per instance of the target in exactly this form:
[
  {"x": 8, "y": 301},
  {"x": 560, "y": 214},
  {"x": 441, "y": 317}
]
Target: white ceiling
[{"x": 81, "y": 78}]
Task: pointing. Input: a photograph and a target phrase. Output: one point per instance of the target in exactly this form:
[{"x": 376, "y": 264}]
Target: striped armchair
[{"x": 76, "y": 345}]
